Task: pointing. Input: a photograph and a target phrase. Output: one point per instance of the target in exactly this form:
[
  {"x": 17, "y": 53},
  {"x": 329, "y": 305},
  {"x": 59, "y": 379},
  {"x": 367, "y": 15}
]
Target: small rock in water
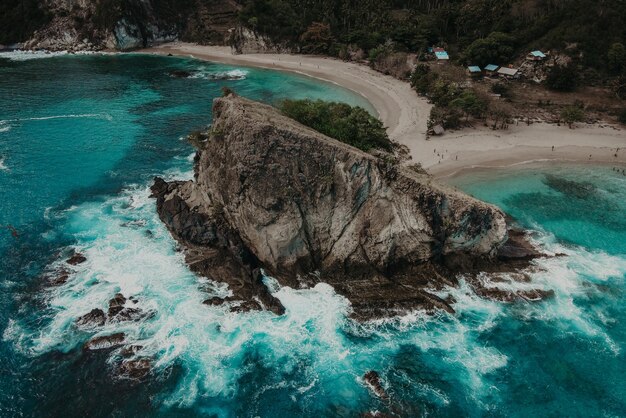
[
  {"x": 132, "y": 314},
  {"x": 214, "y": 301},
  {"x": 60, "y": 278},
  {"x": 180, "y": 74},
  {"x": 509, "y": 296},
  {"x": 116, "y": 305},
  {"x": 135, "y": 369},
  {"x": 533, "y": 295},
  {"x": 76, "y": 259},
  {"x": 105, "y": 342},
  {"x": 372, "y": 378},
  {"x": 130, "y": 350},
  {"x": 119, "y": 312},
  {"x": 247, "y": 306},
  {"x": 95, "y": 318}
]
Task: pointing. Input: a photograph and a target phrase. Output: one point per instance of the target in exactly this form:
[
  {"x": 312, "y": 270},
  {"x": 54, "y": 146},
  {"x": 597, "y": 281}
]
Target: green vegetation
[
  {"x": 20, "y": 18},
  {"x": 502, "y": 89},
  {"x": 496, "y": 48},
  {"x": 562, "y": 78},
  {"x": 453, "y": 105},
  {"x": 475, "y": 31},
  {"x": 617, "y": 58},
  {"x": 352, "y": 125},
  {"x": 479, "y": 32},
  {"x": 571, "y": 114}
]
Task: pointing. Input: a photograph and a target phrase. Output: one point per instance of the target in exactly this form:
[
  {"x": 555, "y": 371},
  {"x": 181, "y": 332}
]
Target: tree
[
  {"x": 448, "y": 117},
  {"x": 497, "y": 48},
  {"x": 422, "y": 78},
  {"x": 470, "y": 104},
  {"x": 442, "y": 92},
  {"x": 562, "y": 78},
  {"x": 622, "y": 116},
  {"x": 501, "y": 88},
  {"x": 571, "y": 114},
  {"x": 317, "y": 38},
  {"x": 352, "y": 125},
  {"x": 617, "y": 58}
]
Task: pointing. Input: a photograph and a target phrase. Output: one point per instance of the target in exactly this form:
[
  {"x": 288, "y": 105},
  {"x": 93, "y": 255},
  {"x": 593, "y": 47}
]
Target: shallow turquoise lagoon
[{"x": 81, "y": 139}]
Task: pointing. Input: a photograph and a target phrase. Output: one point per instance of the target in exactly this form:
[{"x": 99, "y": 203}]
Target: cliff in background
[
  {"x": 272, "y": 194},
  {"x": 118, "y": 24}
]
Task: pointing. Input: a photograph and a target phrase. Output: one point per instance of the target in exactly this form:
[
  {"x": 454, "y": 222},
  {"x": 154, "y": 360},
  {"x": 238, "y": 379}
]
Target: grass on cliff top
[{"x": 351, "y": 125}]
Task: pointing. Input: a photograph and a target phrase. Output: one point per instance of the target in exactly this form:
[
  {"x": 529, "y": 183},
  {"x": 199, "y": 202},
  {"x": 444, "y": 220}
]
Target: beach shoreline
[{"x": 405, "y": 115}]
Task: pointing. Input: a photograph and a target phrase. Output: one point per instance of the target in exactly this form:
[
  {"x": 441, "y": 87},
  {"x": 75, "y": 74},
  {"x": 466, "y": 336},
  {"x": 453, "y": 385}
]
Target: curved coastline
[{"x": 405, "y": 114}]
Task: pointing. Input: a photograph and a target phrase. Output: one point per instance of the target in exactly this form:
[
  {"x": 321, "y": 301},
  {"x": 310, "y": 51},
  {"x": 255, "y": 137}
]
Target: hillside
[{"x": 343, "y": 26}]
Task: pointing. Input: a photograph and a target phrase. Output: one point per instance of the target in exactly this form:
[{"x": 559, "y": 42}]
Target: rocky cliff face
[
  {"x": 131, "y": 24},
  {"x": 270, "y": 193}
]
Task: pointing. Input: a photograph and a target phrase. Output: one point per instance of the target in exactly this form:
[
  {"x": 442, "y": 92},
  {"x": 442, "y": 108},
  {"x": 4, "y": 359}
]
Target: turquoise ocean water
[{"x": 81, "y": 139}]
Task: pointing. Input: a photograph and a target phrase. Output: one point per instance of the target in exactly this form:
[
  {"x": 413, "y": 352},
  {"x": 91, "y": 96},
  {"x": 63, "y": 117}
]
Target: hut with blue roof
[
  {"x": 474, "y": 71},
  {"x": 491, "y": 69},
  {"x": 536, "y": 56}
]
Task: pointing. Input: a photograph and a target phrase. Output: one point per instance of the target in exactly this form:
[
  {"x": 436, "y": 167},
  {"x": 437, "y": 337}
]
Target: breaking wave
[
  {"x": 24, "y": 55},
  {"x": 103, "y": 116},
  {"x": 313, "y": 351},
  {"x": 222, "y": 75}
]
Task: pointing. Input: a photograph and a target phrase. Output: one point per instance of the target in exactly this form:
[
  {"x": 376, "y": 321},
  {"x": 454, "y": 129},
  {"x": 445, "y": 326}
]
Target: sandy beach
[{"x": 405, "y": 114}]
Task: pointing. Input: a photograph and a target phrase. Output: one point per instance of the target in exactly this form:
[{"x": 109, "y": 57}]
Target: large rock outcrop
[
  {"x": 131, "y": 24},
  {"x": 272, "y": 194}
]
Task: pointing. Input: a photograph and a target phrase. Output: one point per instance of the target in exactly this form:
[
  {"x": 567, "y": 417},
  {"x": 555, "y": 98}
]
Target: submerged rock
[
  {"x": 135, "y": 368},
  {"x": 372, "y": 379},
  {"x": 270, "y": 193},
  {"x": 214, "y": 301},
  {"x": 180, "y": 74},
  {"x": 76, "y": 259},
  {"x": 116, "y": 304},
  {"x": 58, "y": 278},
  {"x": 95, "y": 318},
  {"x": 105, "y": 342},
  {"x": 118, "y": 311},
  {"x": 509, "y": 296}
]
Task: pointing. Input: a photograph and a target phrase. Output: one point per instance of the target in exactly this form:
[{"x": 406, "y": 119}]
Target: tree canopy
[{"x": 352, "y": 125}]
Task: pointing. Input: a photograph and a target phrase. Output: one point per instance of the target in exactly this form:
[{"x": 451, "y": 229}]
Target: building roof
[
  {"x": 474, "y": 69},
  {"x": 442, "y": 55},
  {"x": 538, "y": 54},
  {"x": 491, "y": 67},
  {"x": 507, "y": 71},
  {"x": 438, "y": 130}
]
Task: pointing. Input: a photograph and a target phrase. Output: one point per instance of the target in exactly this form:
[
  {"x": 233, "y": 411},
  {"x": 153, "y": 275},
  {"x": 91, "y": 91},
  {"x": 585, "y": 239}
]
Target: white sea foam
[
  {"x": 213, "y": 345},
  {"x": 4, "y": 128},
  {"x": 3, "y": 166},
  {"x": 22, "y": 55},
  {"x": 104, "y": 116},
  {"x": 221, "y": 75}
]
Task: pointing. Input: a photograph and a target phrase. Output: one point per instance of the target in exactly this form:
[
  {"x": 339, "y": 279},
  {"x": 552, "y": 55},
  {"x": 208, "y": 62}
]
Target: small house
[
  {"x": 441, "y": 54},
  {"x": 474, "y": 71},
  {"x": 536, "y": 56},
  {"x": 438, "y": 130},
  {"x": 491, "y": 69},
  {"x": 508, "y": 73}
]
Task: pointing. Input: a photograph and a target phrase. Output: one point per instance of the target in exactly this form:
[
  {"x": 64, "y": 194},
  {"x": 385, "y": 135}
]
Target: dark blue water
[{"x": 81, "y": 139}]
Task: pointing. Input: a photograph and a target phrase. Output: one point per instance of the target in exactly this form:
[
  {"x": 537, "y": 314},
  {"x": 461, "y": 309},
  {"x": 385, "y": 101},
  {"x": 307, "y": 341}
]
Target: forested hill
[
  {"x": 585, "y": 28},
  {"x": 591, "y": 31}
]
